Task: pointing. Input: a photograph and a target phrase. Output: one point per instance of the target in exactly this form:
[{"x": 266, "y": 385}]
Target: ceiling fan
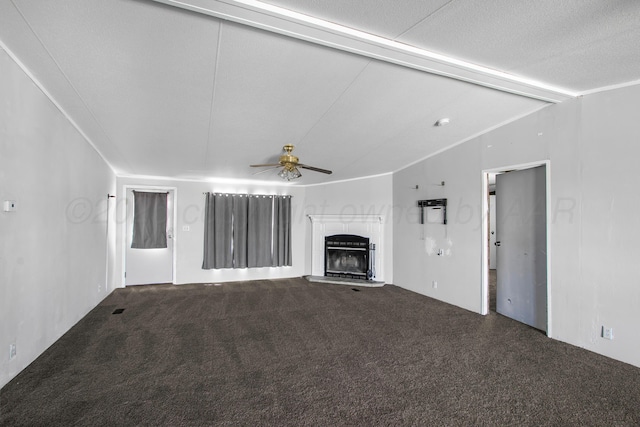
[{"x": 289, "y": 164}]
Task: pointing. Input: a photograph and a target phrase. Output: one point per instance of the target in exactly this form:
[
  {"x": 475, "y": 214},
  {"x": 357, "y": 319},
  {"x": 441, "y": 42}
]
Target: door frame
[
  {"x": 125, "y": 189},
  {"x": 484, "y": 294}
]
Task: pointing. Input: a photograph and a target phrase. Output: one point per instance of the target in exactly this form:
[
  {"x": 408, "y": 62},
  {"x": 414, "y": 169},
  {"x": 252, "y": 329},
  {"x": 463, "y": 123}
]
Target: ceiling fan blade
[
  {"x": 265, "y": 165},
  {"x": 266, "y": 170},
  {"x": 315, "y": 169}
]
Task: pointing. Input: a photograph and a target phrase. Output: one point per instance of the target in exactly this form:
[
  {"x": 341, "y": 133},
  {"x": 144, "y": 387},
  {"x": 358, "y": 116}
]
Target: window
[{"x": 243, "y": 230}]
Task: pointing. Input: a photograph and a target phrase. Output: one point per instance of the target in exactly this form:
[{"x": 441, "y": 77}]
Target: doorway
[
  {"x": 516, "y": 269},
  {"x": 492, "y": 242},
  {"x": 149, "y": 265}
]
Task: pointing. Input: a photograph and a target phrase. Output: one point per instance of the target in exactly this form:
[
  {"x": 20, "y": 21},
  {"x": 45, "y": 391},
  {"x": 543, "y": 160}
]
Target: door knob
[{"x": 497, "y": 243}]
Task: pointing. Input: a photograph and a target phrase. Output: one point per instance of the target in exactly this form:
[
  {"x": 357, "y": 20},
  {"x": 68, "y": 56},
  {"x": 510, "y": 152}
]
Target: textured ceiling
[{"x": 164, "y": 91}]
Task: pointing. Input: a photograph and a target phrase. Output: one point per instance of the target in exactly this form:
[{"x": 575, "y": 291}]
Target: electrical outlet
[
  {"x": 434, "y": 284},
  {"x": 607, "y": 333},
  {"x": 12, "y": 351}
]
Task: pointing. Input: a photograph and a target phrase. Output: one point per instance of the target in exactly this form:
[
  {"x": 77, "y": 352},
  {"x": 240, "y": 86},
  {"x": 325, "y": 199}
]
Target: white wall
[
  {"x": 416, "y": 246},
  {"x": 189, "y": 244},
  {"x": 53, "y": 248},
  {"x": 367, "y": 196},
  {"x": 362, "y": 196},
  {"x": 592, "y": 145}
]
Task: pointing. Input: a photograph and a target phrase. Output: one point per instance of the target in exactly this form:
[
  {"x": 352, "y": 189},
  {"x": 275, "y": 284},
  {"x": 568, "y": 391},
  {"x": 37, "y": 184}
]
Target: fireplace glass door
[{"x": 347, "y": 256}]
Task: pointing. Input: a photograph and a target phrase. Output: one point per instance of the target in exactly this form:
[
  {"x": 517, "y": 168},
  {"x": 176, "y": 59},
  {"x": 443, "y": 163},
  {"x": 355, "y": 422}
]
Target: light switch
[{"x": 9, "y": 206}]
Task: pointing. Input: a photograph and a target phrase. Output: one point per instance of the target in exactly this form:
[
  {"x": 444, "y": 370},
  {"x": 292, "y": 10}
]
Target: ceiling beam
[{"x": 303, "y": 27}]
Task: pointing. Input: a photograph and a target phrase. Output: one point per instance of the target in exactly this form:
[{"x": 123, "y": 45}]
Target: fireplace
[
  {"x": 348, "y": 256},
  {"x": 328, "y": 225}
]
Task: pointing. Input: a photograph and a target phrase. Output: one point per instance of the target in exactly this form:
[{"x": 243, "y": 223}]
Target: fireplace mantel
[{"x": 371, "y": 226}]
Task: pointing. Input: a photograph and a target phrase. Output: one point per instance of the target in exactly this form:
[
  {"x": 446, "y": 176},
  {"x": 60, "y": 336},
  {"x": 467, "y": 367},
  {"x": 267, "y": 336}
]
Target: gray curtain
[
  {"x": 282, "y": 231},
  {"x": 218, "y": 231},
  {"x": 240, "y": 230},
  {"x": 260, "y": 231},
  {"x": 149, "y": 220}
]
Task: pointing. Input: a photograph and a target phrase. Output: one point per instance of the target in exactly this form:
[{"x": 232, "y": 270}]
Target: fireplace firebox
[{"x": 348, "y": 256}]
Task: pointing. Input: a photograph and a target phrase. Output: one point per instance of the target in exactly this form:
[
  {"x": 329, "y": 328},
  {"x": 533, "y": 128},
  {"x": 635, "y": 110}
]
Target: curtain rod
[
  {"x": 150, "y": 191},
  {"x": 248, "y": 195}
]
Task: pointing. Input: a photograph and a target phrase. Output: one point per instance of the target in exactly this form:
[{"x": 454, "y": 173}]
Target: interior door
[
  {"x": 521, "y": 240},
  {"x": 148, "y": 266},
  {"x": 492, "y": 232}
]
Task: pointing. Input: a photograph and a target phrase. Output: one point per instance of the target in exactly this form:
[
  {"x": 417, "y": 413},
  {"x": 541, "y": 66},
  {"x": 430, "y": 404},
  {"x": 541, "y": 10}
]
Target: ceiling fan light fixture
[
  {"x": 289, "y": 164},
  {"x": 289, "y": 172}
]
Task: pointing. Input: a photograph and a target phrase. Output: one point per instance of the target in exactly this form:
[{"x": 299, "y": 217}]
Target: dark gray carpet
[{"x": 291, "y": 352}]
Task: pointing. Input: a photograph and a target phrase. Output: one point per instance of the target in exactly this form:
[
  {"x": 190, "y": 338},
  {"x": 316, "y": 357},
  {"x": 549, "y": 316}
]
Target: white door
[
  {"x": 521, "y": 238},
  {"x": 149, "y": 266}
]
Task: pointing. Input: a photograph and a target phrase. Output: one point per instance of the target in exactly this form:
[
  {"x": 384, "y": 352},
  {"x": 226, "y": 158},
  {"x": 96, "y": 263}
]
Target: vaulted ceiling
[{"x": 200, "y": 89}]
